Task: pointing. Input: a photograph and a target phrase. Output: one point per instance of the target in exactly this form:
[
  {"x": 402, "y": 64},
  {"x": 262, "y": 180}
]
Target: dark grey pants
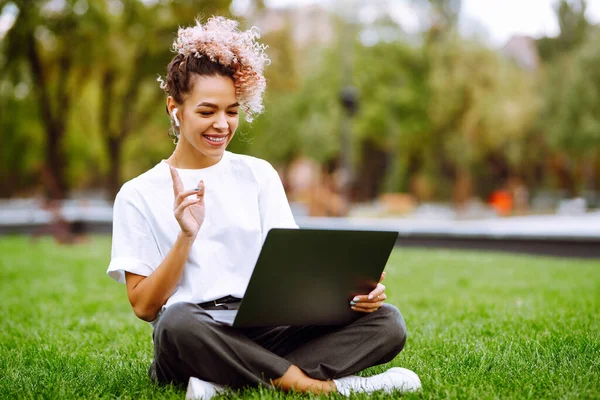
[{"x": 188, "y": 342}]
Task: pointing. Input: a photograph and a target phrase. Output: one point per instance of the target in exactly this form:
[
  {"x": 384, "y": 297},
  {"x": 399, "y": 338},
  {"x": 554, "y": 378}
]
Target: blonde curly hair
[{"x": 219, "y": 48}]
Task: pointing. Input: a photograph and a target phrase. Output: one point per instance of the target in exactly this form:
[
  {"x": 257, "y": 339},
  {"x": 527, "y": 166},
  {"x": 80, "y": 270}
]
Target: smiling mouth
[{"x": 216, "y": 139}]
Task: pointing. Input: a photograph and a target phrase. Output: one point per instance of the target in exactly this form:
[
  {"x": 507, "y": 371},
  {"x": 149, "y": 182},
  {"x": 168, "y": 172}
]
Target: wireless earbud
[{"x": 174, "y": 115}]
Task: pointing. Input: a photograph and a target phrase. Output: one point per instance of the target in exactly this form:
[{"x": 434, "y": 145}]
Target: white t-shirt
[{"x": 244, "y": 198}]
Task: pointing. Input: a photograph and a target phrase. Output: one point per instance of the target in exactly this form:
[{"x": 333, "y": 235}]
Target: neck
[{"x": 187, "y": 157}]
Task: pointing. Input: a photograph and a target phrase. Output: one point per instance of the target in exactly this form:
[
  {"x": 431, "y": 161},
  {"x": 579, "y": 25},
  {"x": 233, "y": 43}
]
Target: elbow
[{"x": 144, "y": 313}]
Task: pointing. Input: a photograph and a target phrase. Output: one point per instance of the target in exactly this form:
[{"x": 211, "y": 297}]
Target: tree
[
  {"x": 392, "y": 122},
  {"x": 55, "y": 67},
  {"x": 21, "y": 147},
  {"x": 301, "y": 106},
  {"x": 119, "y": 47},
  {"x": 572, "y": 114},
  {"x": 136, "y": 49},
  {"x": 560, "y": 55},
  {"x": 573, "y": 30},
  {"x": 481, "y": 106}
]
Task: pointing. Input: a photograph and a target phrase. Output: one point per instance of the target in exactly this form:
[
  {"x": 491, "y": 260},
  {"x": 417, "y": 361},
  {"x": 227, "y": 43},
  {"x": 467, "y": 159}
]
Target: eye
[
  {"x": 205, "y": 113},
  {"x": 232, "y": 113}
]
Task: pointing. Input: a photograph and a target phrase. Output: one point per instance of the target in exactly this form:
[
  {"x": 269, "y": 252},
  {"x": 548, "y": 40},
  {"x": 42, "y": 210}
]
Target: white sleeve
[
  {"x": 274, "y": 208},
  {"x": 134, "y": 248}
]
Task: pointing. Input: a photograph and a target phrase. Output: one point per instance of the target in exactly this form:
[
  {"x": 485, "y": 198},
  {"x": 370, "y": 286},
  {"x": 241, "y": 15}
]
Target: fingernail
[
  {"x": 371, "y": 297},
  {"x": 356, "y": 298},
  {"x": 196, "y": 189},
  {"x": 352, "y": 303}
]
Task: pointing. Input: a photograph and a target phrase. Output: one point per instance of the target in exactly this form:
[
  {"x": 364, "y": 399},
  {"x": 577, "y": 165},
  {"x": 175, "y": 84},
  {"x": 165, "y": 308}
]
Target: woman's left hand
[{"x": 372, "y": 301}]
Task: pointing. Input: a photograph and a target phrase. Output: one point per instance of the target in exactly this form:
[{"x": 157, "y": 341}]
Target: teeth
[{"x": 219, "y": 140}]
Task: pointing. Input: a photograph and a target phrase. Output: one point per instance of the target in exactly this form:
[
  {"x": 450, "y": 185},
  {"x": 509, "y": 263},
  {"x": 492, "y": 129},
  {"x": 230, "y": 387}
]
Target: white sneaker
[
  {"x": 198, "y": 389},
  {"x": 393, "y": 379}
]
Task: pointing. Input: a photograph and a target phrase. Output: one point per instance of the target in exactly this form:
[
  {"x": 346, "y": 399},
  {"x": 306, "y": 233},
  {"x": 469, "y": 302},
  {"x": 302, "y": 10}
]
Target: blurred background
[{"x": 379, "y": 108}]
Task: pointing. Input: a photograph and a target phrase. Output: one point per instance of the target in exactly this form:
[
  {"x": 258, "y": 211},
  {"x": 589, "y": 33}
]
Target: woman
[{"x": 183, "y": 251}]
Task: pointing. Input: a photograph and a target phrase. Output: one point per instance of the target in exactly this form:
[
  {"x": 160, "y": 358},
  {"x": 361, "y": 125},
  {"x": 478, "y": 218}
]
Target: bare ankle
[{"x": 296, "y": 379}]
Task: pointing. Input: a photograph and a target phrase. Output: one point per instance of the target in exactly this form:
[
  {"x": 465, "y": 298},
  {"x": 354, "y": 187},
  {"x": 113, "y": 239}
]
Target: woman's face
[{"x": 209, "y": 116}]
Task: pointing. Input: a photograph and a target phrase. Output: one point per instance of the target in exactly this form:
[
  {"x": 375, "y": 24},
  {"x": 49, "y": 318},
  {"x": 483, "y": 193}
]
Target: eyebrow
[{"x": 211, "y": 105}]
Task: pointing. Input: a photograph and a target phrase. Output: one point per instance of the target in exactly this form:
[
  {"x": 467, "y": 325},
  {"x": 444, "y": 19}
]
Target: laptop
[{"x": 309, "y": 276}]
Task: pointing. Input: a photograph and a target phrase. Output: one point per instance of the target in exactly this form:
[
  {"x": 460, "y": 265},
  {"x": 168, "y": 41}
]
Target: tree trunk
[
  {"x": 56, "y": 182},
  {"x": 53, "y": 174},
  {"x": 114, "y": 146},
  {"x": 370, "y": 177},
  {"x": 565, "y": 175}
]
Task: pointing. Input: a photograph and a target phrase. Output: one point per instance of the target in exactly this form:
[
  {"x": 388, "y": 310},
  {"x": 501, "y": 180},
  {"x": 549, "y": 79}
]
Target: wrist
[{"x": 185, "y": 238}]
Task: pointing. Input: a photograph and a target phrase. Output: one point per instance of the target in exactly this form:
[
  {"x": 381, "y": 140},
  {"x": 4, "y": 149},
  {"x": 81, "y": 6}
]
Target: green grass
[{"x": 481, "y": 325}]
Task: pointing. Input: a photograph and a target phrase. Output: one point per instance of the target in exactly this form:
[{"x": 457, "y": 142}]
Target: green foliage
[
  {"x": 395, "y": 111},
  {"x": 91, "y": 69},
  {"x": 394, "y": 97},
  {"x": 302, "y": 121},
  {"x": 480, "y": 325},
  {"x": 445, "y": 108},
  {"x": 435, "y": 109},
  {"x": 571, "y": 115},
  {"x": 22, "y": 143},
  {"x": 446, "y": 12},
  {"x": 480, "y": 102},
  {"x": 573, "y": 107},
  {"x": 573, "y": 30}
]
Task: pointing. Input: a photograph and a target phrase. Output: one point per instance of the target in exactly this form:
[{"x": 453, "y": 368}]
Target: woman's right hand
[{"x": 188, "y": 212}]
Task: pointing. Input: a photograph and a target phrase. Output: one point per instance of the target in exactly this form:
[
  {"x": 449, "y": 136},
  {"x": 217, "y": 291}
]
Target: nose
[{"x": 221, "y": 122}]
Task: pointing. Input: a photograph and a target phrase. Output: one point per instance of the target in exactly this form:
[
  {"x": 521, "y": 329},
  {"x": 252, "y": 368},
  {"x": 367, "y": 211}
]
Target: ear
[
  {"x": 171, "y": 104},
  {"x": 172, "y": 109}
]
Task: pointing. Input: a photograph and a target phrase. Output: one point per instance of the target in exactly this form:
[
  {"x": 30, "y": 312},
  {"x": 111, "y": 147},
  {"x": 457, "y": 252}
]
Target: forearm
[{"x": 152, "y": 292}]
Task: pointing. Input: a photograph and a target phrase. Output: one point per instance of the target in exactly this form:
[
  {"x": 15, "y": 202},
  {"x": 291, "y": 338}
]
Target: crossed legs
[{"x": 189, "y": 343}]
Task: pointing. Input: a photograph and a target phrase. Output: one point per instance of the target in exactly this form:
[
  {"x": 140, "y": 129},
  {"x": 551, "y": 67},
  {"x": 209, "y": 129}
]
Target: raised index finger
[{"x": 177, "y": 184}]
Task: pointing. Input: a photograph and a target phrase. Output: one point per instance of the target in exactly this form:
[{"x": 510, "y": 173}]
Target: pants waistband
[{"x": 219, "y": 302}]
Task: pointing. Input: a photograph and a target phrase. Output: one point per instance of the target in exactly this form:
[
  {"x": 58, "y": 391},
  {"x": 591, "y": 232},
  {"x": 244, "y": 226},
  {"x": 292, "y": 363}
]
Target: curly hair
[{"x": 219, "y": 48}]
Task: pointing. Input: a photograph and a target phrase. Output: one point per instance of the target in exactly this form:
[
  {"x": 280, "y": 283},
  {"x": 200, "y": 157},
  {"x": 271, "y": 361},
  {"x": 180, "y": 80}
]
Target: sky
[
  {"x": 497, "y": 20},
  {"x": 505, "y": 18}
]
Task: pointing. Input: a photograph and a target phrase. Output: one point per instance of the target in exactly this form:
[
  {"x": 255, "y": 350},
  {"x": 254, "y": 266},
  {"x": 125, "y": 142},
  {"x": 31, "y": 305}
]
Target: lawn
[{"x": 481, "y": 325}]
